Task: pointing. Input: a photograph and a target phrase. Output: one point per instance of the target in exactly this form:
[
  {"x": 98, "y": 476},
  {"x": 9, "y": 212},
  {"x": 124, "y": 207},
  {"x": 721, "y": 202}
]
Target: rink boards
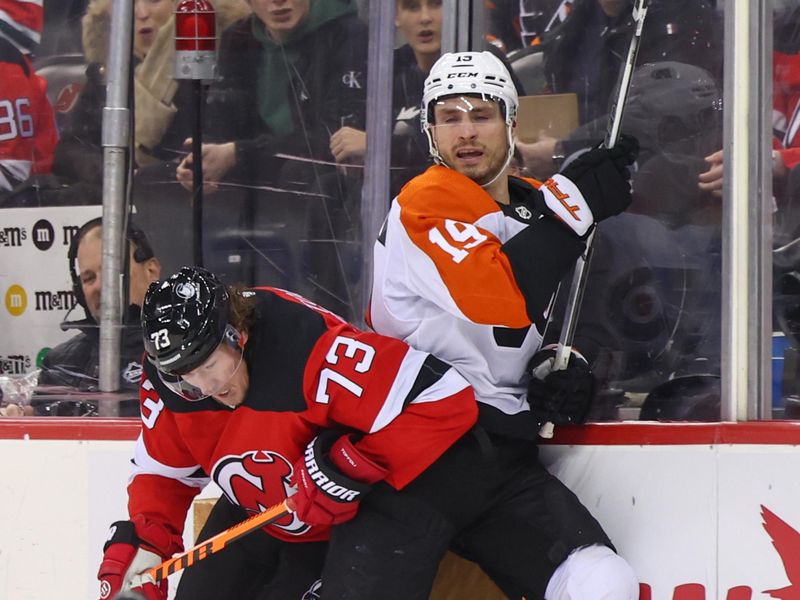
[{"x": 701, "y": 511}]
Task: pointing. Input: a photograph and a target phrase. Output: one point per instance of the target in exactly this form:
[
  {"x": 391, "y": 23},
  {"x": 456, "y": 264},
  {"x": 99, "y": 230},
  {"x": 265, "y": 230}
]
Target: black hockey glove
[
  {"x": 598, "y": 180},
  {"x": 560, "y": 397}
]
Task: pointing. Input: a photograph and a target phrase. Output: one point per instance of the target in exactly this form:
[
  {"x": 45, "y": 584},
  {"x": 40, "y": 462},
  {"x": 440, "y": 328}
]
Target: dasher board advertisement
[{"x": 35, "y": 282}]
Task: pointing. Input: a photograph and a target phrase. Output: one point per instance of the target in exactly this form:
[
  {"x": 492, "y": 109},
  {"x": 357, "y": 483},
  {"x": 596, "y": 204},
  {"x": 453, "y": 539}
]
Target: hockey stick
[
  {"x": 218, "y": 542},
  {"x": 581, "y": 265}
]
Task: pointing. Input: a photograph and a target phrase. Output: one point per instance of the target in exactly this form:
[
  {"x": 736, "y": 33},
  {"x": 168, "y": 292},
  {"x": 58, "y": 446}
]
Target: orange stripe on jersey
[{"x": 438, "y": 211}]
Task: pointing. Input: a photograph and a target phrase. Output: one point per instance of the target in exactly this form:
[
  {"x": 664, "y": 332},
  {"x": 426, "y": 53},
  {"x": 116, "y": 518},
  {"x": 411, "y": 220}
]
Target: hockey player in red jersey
[
  {"x": 261, "y": 390},
  {"x": 28, "y": 133},
  {"x": 466, "y": 266}
]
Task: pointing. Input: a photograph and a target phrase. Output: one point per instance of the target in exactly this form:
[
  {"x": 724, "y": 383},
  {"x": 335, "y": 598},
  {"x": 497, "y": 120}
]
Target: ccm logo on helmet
[
  {"x": 469, "y": 74},
  {"x": 325, "y": 484}
]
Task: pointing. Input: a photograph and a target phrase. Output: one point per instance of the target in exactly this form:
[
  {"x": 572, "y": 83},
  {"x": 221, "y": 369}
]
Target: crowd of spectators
[
  {"x": 285, "y": 140},
  {"x": 164, "y": 117},
  {"x": 333, "y": 255}
]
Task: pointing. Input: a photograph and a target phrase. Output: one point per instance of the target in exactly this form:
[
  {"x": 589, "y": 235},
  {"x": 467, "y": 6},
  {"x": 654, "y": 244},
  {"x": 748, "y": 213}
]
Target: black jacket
[
  {"x": 75, "y": 363},
  {"x": 585, "y": 53},
  {"x": 327, "y": 91},
  {"x": 79, "y": 153},
  {"x": 410, "y": 155}
]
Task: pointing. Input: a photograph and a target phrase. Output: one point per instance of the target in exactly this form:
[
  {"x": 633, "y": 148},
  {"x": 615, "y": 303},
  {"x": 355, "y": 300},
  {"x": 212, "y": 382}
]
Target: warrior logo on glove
[
  {"x": 331, "y": 478},
  {"x": 331, "y": 488}
]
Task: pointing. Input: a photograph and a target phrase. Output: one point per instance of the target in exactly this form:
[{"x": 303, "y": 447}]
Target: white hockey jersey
[{"x": 469, "y": 280}]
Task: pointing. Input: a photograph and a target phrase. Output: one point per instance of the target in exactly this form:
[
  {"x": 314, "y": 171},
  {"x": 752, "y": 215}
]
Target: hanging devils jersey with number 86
[
  {"x": 470, "y": 280},
  {"x": 27, "y": 124},
  {"x": 308, "y": 371}
]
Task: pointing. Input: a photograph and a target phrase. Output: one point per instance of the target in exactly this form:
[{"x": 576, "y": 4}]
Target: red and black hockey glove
[
  {"x": 125, "y": 558},
  {"x": 593, "y": 187},
  {"x": 331, "y": 478},
  {"x": 560, "y": 397}
]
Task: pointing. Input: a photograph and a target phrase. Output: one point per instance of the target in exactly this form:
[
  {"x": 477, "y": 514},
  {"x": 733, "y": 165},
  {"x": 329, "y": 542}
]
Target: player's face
[
  {"x": 149, "y": 16},
  {"x": 89, "y": 260},
  {"x": 280, "y": 17},
  {"x": 142, "y": 274},
  {"x": 89, "y": 257},
  {"x": 470, "y": 134},
  {"x": 223, "y": 376},
  {"x": 420, "y": 22}
]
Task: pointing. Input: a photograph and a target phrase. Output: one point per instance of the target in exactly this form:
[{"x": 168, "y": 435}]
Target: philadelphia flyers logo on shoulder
[{"x": 256, "y": 480}]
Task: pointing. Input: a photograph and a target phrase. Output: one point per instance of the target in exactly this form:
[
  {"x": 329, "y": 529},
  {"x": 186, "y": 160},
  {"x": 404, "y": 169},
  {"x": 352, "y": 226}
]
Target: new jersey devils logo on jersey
[{"x": 257, "y": 480}]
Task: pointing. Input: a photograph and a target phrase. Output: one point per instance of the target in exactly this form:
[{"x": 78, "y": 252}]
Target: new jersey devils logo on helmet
[
  {"x": 185, "y": 290},
  {"x": 257, "y": 480}
]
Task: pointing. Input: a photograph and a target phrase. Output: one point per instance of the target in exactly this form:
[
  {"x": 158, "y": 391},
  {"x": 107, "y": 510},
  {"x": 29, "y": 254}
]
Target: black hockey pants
[
  {"x": 491, "y": 502},
  {"x": 254, "y": 567}
]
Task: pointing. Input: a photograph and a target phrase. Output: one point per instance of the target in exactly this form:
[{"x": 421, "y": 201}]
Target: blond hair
[
  {"x": 242, "y": 308},
  {"x": 95, "y": 31}
]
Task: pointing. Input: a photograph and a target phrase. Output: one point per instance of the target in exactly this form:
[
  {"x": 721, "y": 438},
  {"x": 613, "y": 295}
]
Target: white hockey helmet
[{"x": 469, "y": 73}]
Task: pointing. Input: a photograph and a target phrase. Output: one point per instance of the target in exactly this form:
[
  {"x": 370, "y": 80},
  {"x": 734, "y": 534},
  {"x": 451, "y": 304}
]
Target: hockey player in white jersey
[{"x": 465, "y": 268}]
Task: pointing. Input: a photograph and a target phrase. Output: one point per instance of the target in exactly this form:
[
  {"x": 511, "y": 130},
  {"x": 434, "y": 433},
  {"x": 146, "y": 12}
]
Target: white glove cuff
[
  {"x": 566, "y": 201},
  {"x": 572, "y": 351},
  {"x": 135, "y": 576}
]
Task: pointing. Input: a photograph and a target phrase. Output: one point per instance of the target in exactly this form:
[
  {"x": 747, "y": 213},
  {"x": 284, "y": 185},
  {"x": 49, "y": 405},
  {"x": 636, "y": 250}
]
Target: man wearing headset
[{"x": 74, "y": 363}]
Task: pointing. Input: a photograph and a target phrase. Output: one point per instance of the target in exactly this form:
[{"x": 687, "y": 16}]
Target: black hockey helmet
[{"x": 184, "y": 319}]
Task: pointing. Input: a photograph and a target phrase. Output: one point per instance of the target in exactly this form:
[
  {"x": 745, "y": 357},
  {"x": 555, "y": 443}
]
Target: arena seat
[
  {"x": 528, "y": 65},
  {"x": 262, "y": 257},
  {"x": 685, "y": 398},
  {"x": 65, "y": 75},
  {"x": 249, "y": 237}
]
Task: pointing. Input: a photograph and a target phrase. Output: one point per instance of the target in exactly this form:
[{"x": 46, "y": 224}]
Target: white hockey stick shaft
[{"x": 581, "y": 266}]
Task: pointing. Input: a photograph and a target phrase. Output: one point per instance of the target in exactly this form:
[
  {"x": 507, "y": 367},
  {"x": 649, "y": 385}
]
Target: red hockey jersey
[
  {"x": 28, "y": 135},
  {"x": 21, "y": 23},
  {"x": 786, "y": 105},
  {"x": 309, "y": 371}
]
